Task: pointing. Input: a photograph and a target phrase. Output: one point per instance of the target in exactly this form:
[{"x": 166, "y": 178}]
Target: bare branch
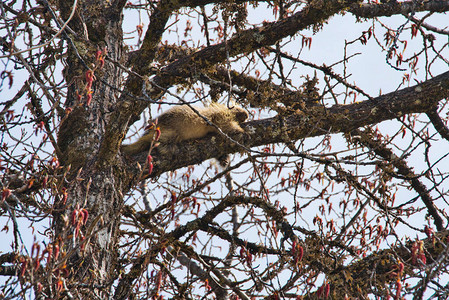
[{"x": 371, "y": 10}]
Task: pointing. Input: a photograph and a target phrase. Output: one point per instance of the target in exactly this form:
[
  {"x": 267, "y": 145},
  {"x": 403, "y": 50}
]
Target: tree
[{"x": 335, "y": 190}]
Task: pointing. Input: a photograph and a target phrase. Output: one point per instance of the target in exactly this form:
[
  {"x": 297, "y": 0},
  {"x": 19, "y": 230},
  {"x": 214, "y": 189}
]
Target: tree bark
[{"x": 92, "y": 186}]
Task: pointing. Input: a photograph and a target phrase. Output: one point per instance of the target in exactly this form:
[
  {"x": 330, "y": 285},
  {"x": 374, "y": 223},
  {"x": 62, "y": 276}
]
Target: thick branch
[
  {"x": 438, "y": 124},
  {"x": 315, "y": 121},
  {"x": 371, "y": 10},
  {"x": 250, "y": 40},
  {"x": 376, "y": 269}
]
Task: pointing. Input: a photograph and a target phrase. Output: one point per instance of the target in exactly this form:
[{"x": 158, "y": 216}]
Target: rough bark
[{"x": 92, "y": 184}]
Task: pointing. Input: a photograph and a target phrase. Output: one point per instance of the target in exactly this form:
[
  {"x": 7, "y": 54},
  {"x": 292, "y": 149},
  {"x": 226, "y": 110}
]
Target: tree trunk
[{"x": 92, "y": 185}]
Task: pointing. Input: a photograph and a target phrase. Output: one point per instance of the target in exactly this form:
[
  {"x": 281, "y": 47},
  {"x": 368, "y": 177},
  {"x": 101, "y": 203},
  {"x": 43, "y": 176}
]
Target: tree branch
[
  {"x": 366, "y": 138},
  {"x": 250, "y": 40},
  {"x": 371, "y": 10},
  {"x": 314, "y": 121},
  {"x": 377, "y": 269},
  {"x": 438, "y": 124}
]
